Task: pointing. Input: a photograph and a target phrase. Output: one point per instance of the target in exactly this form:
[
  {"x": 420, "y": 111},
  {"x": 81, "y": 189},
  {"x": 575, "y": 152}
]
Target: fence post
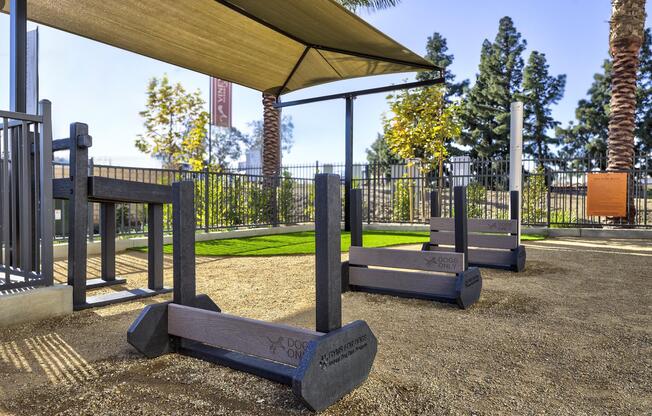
[
  {"x": 548, "y": 200},
  {"x": 207, "y": 210},
  {"x": 45, "y": 199},
  {"x": 91, "y": 206},
  {"x": 461, "y": 235}
]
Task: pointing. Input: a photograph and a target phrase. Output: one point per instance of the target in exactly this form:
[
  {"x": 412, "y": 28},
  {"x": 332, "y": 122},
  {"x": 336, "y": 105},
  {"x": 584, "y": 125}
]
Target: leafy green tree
[
  {"x": 486, "y": 113},
  {"x": 644, "y": 97},
  {"x": 421, "y": 126},
  {"x": 175, "y": 125},
  {"x": 368, "y": 4},
  {"x": 381, "y": 156},
  {"x": 540, "y": 91},
  {"x": 255, "y": 139},
  {"x": 227, "y": 145},
  {"x": 588, "y": 137},
  {"x": 436, "y": 49}
]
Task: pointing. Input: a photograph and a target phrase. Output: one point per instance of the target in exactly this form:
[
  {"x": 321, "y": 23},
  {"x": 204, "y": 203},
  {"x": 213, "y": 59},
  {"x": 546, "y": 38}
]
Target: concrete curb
[{"x": 25, "y": 305}]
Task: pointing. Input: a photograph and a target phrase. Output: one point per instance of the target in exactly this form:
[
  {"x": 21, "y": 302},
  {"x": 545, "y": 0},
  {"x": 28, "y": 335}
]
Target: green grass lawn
[{"x": 302, "y": 243}]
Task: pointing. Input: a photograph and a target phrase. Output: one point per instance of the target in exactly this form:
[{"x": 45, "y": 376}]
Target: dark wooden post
[
  {"x": 461, "y": 235},
  {"x": 514, "y": 211},
  {"x": 80, "y": 141},
  {"x": 183, "y": 241},
  {"x": 356, "y": 217},
  {"x": 155, "y": 246},
  {"x": 328, "y": 214},
  {"x": 435, "y": 209},
  {"x": 108, "y": 233}
]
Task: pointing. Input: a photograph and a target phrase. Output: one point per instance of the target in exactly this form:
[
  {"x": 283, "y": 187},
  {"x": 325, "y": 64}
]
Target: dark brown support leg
[
  {"x": 328, "y": 252},
  {"x": 78, "y": 212},
  {"x": 107, "y": 231},
  {"x": 155, "y": 246}
]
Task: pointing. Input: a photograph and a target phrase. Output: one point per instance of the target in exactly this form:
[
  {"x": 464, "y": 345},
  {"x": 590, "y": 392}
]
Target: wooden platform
[{"x": 120, "y": 296}]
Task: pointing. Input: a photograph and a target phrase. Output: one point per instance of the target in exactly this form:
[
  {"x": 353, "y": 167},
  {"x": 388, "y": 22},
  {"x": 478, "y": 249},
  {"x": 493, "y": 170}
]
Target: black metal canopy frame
[{"x": 349, "y": 97}]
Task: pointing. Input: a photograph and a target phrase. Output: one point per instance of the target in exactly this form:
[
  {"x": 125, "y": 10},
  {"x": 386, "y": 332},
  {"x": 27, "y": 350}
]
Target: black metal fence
[{"x": 553, "y": 193}]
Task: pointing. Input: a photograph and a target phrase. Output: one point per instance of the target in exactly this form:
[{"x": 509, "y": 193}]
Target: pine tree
[
  {"x": 587, "y": 137},
  {"x": 644, "y": 97},
  {"x": 436, "y": 49},
  {"x": 540, "y": 91},
  {"x": 486, "y": 112}
]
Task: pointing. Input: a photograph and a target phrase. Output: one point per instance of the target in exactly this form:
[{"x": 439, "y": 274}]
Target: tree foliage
[
  {"x": 255, "y": 140},
  {"x": 226, "y": 145},
  {"x": 587, "y": 136},
  {"x": 436, "y": 52},
  {"x": 486, "y": 113},
  {"x": 175, "y": 124},
  {"x": 540, "y": 91},
  {"x": 422, "y": 125},
  {"x": 368, "y": 4}
]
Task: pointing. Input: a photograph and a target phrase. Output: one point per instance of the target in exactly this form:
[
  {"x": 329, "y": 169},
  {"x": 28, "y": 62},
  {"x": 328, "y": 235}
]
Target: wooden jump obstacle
[
  {"x": 492, "y": 243},
  {"x": 80, "y": 189},
  {"x": 321, "y": 366},
  {"x": 440, "y": 276}
]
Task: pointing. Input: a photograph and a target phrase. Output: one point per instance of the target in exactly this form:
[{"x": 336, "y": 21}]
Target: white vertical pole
[{"x": 516, "y": 153}]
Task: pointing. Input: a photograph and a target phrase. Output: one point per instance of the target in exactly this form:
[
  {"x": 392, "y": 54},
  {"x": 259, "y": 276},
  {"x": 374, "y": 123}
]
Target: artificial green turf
[{"x": 303, "y": 243}]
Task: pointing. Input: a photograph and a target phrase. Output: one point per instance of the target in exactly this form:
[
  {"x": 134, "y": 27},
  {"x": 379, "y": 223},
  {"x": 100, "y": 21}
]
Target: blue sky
[{"x": 105, "y": 87}]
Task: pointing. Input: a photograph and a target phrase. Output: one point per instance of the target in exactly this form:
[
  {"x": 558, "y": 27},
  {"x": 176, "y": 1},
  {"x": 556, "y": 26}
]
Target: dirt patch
[{"x": 571, "y": 335}]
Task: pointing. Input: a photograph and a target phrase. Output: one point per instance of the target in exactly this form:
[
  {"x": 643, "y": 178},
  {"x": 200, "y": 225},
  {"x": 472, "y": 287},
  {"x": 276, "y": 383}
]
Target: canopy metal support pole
[
  {"x": 18, "y": 55},
  {"x": 348, "y": 157},
  {"x": 348, "y": 163}
]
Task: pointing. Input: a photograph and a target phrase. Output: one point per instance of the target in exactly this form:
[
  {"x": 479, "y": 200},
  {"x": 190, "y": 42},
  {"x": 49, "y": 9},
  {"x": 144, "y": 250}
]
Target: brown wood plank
[
  {"x": 407, "y": 259},
  {"x": 503, "y": 241},
  {"x": 426, "y": 283},
  {"x": 277, "y": 342},
  {"x": 475, "y": 225}
]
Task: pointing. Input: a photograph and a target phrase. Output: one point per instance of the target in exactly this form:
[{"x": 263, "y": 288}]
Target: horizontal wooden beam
[
  {"x": 277, "y": 342},
  {"x": 407, "y": 259},
  {"x": 503, "y": 241},
  {"x": 101, "y": 189},
  {"x": 428, "y": 284},
  {"x": 60, "y": 145},
  {"x": 475, "y": 225}
]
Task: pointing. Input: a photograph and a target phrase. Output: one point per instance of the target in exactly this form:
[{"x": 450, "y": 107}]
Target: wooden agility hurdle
[
  {"x": 441, "y": 276},
  {"x": 492, "y": 243},
  {"x": 80, "y": 189},
  {"x": 321, "y": 366}
]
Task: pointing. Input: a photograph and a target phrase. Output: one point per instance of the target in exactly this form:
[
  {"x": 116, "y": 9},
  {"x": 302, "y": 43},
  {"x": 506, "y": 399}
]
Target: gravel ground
[{"x": 571, "y": 335}]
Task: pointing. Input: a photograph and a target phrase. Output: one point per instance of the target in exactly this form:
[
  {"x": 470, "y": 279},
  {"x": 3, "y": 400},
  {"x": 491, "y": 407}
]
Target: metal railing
[
  {"x": 26, "y": 214},
  {"x": 553, "y": 193}
]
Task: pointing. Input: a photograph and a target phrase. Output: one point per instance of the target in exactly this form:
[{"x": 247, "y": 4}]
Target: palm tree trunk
[
  {"x": 271, "y": 155},
  {"x": 625, "y": 40}
]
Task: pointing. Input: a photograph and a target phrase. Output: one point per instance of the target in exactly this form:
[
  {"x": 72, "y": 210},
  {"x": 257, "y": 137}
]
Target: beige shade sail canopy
[{"x": 276, "y": 46}]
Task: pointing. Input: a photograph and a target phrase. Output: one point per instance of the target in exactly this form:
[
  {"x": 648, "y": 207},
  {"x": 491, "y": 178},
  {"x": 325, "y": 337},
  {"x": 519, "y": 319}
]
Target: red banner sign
[{"x": 221, "y": 102}]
